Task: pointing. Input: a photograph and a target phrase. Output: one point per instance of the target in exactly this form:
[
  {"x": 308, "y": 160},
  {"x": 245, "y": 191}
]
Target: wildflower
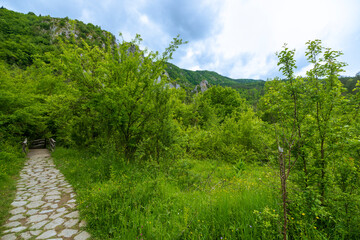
[
  {"x": 314, "y": 227},
  {"x": 292, "y": 218},
  {"x": 303, "y": 214},
  {"x": 317, "y": 217}
]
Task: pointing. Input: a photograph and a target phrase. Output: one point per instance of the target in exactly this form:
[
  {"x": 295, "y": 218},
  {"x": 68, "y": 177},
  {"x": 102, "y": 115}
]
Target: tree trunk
[
  {"x": 323, "y": 166},
  {"x": 283, "y": 191}
]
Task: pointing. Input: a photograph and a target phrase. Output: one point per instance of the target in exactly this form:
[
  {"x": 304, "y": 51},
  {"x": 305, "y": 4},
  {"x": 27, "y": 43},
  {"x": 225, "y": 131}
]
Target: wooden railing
[
  {"x": 24, "y": 145},
  {"x": 39, "y": 143},
  {"x": 52, "y": 144}
]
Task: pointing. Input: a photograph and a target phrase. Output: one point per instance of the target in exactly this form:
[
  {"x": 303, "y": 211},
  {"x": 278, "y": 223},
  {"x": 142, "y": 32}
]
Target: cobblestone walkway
[{"x": 44, "y": 207}]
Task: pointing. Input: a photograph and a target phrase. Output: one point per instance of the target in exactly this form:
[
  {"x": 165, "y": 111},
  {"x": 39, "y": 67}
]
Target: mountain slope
[
  {"x": 22, "y": 36},
  {"x": 249, "y": 88}
]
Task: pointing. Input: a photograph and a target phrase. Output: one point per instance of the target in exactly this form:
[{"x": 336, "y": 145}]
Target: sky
[{"x": 236, "y": 38}]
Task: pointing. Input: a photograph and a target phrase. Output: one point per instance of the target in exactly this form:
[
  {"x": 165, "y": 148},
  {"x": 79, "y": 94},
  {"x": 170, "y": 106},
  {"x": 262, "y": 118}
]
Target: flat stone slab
[
  {"x": 12, "y": 224},
  {"x": 35, "y": 204},
  {"x": 16, "y": 217},
  {"x": 38, "y": 225},
  {"x": 37, "y": 218},
  {"x": 36, "y": 198},
  {"x": 54, "y": 224},
  {"x": 17, "y": 229},
  {"x": 18, "y": 203},
  {"x": 82, "y": 236},
  {"x": 47, "y": 234},
  {"x": 18, "y": 210},
  {"x": 45, "y": 204},
  {"x": 72, "y": 222},
  {"x": 26, "y": 235},
  {"x": 74, "y": 214},
  {"x": 68, "y": 233},
  {"x": 32, "y": 211},
  {"x": 11, "y": 236}
]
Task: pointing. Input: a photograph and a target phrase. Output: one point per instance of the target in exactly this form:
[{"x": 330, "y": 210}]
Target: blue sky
[{"x": 236, "y": 38}]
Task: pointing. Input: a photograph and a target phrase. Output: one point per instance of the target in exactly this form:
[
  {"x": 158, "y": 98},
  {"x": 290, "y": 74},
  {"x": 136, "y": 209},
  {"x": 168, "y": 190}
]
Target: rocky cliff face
[{"x": 204, "y": 85}]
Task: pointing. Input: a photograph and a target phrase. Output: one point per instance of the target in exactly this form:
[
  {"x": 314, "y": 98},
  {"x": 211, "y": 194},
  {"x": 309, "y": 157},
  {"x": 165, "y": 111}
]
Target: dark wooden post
[
  {"x": 24, "y": 144},
  {"x": 52, "y": 144}
]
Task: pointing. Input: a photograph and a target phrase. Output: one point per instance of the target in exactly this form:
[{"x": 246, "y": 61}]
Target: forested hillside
[
  {"x": 149, "y": 161},
  {"x": 249, "y": 88}
]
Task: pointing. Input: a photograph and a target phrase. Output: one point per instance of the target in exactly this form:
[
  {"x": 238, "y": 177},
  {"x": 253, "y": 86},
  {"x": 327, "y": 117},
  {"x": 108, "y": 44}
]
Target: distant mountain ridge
[
  {"x": 195, "y": 77},
  {"x": 251, "y": 89}
]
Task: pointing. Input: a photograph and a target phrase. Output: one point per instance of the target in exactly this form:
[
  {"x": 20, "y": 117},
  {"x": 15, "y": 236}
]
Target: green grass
[
  {"x": 184, "y": 199},
  {"x": 11, "y": 162}
]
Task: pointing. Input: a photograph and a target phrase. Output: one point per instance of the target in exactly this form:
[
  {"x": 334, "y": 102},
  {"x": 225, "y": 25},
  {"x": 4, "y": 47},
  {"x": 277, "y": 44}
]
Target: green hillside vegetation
[
  {"x": 153, "y": 162},
  {"x": 195, "y": 77},
  {"x": 250, "y": 89},
  {"x": 350, "y": 83},
  {"x": 25, "y": 35}
]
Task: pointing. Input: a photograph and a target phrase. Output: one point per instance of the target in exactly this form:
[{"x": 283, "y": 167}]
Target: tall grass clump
[
  {"x": 11, "y": 162},
  {"x": 184, "y": 199}
]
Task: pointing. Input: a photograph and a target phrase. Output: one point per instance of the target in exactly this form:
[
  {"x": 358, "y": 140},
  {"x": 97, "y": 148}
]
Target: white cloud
[
  {"x": 87, "y": 15},
  {"x": 195, "y": 68},
  {"x": 259, "y": 28},
  {"x": 302, "y": 71},
  {"x": 144, "y": 19}
]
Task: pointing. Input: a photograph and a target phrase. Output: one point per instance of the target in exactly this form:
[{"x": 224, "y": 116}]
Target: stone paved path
[{"x": 44, "y": 207}]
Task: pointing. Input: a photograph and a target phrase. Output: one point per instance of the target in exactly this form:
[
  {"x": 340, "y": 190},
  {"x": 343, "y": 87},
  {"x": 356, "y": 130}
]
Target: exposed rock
[{"x": 204, "y": 85}]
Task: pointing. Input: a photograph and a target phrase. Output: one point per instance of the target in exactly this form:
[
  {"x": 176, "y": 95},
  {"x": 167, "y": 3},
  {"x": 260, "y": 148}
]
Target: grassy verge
[
  {"x": 184, "y": 199},
  {"x": 11, "y": 162}
]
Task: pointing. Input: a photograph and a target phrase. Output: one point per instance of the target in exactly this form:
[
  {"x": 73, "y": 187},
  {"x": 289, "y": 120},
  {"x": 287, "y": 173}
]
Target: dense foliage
[{"x": 152, "y": 161}]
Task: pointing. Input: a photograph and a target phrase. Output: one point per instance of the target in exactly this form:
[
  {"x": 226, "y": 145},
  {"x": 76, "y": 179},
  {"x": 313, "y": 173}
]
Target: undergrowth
[
  {"x": 184, "y": 199},
  {"x": 11, "y": 162}
]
